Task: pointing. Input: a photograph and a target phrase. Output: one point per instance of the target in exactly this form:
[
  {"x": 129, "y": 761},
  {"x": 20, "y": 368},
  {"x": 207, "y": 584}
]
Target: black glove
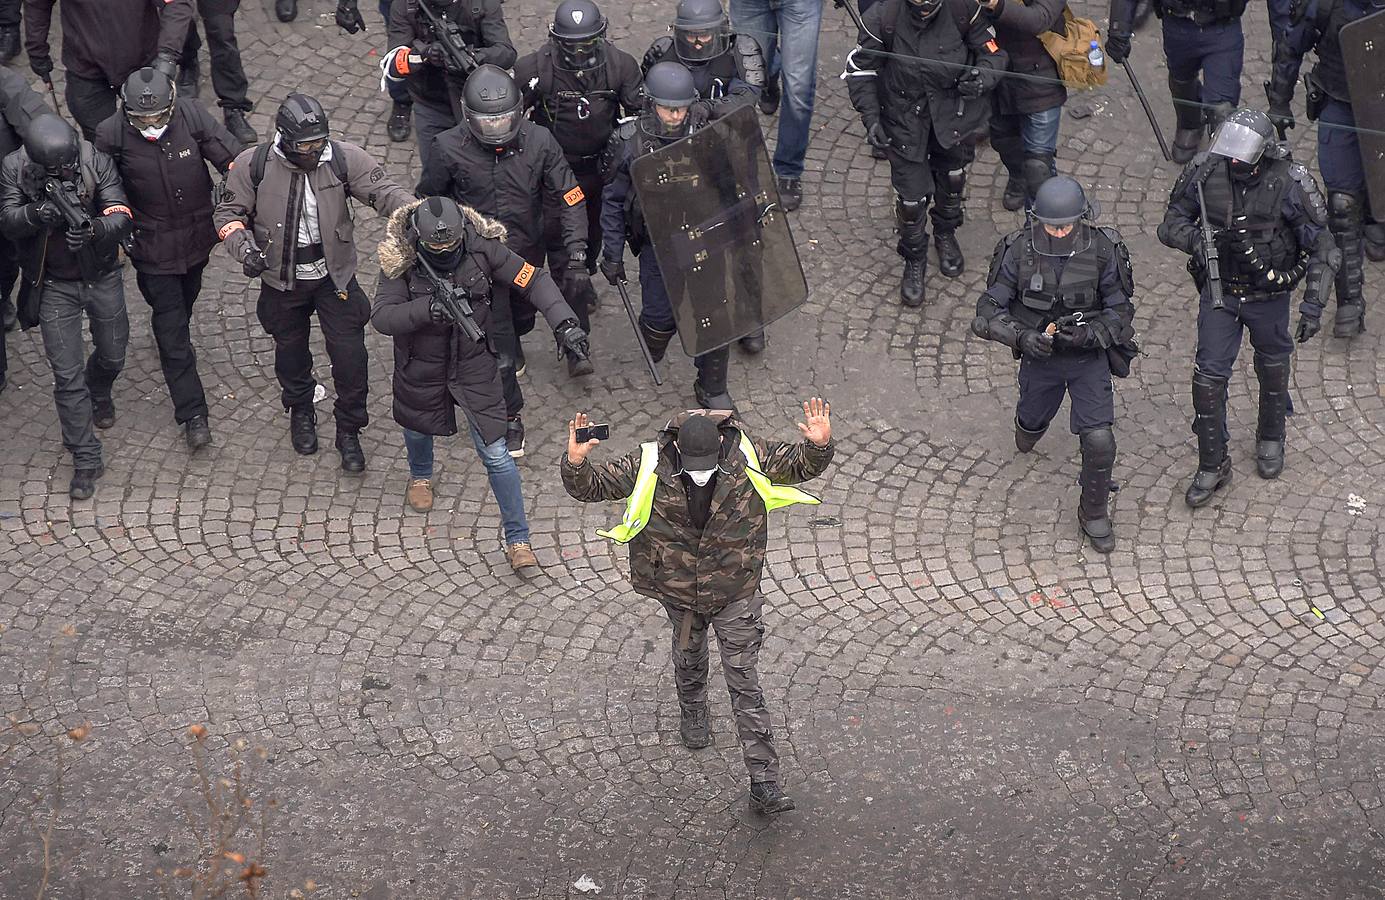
[
  {"x": 44, "y": 212},
  {"x": 166, "y": 65},
  {"x": 579, "y": 282},
  {"x": 613, "y": 269},
  {"x": 252, "y": 261},
  {"x": 439, "y": 313},
  {"x": 1036, "y": 345},
  {"x": 876, "y": 136},
  {"x": 573, "y": 339},
  {"x": 436, "y": 55},
  {"x": 972, "y": 84},
  {"x": 349, "y": 16},
  {"x": 77, "y": 238},
  {"x": 699, "y": 114},
  {"x": 42, "y": 66},
  {"x": 1307, "y": 327},
  {"x": 103, "y": 228},
  {"x": 1074, "y": 337},
  {"x": 1118, "y": 45},
  {"x": 1281, "y": 116}
]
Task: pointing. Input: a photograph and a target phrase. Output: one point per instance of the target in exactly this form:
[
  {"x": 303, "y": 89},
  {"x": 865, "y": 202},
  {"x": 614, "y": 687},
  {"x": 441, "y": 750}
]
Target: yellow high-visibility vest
[{"x": 641, "y": 500}]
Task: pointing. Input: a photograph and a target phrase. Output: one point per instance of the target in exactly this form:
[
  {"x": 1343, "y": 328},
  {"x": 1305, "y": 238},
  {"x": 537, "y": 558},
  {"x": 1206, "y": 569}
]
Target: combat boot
[
  {"x": 398, "y": 126},
  {"x": 1187, "y": 110},
  {"x": 197, "y": 433},
  {"x": 238, "y": 125},
  {"x": 352, "y": 454},
  {"x": 303, "y": 429},
  {"x": 1209, "y": 424},
  {"x": 753, "y": 343},
  {"x": 1015, "y": 194},
  {"x": 1344, "y": 221},
  {"x": 10, "y": 42},
  {"x": 947, "y": 218},
  {"x": 1026, "y": 439},
  {"x": 695, "y": 728},
  {"x": 913, "y": 247},
  {"x": 1094, "y": 508},
  {"x": 286, "y": 10},
  {"x": 911, "y": 289},
  {"x": 767, "y": 799},
  {"x": 656, "y": 340},
  {"x": 102, "y": 412},
  {"x": 1273, "y": 374},
  {"x": 83, "y": 483},
  {"x": 710, "y": 388},
  {"x": 950, "y": 259}
]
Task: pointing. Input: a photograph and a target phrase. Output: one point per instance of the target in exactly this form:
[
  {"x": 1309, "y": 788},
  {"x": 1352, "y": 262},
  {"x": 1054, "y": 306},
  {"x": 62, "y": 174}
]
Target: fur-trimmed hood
[{"x": 397, "y": 251}]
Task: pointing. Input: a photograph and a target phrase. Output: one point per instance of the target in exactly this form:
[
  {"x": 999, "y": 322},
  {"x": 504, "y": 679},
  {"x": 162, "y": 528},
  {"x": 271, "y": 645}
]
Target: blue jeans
[
  {"x": 1040, "y": 131},
  {"x": 787, "y": 31},
  {"x": 500, "y": 468}
]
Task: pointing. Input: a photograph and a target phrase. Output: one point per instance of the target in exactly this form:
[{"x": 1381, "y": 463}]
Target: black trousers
[
  {"x": 228, "y": 75},
  {"x": 9, "y": 18},
  {"x": 287, "y": 316},
  {"x": 91, "y": 102},
  {"x": 170, "y": 298}
]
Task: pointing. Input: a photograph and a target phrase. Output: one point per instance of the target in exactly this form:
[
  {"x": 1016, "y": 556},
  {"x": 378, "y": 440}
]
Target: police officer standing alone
[
  {"x": 1269, "y": 219},
  {"x": 1317, "y": 26},
  {"x": 70, "y": 267},
  {"x": 1059, "y": 295},
  {"x": 698, "y": 500},
  {"x": 437, "y": 267},
  {"x": 286, "y": 217},
  {"x": 918, "y": 77},
  {"x": 576, "y": 86},
  {"x": 161, "y": 145}
]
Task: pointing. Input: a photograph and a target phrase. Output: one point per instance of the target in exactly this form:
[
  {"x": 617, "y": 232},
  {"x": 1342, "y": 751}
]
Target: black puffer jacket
[
  {"x": 436, "y": 367},
  {"x": 1017, "y": 26},
  {"x": 168, "y": 185},
  {"x": 19, "y": 104}
]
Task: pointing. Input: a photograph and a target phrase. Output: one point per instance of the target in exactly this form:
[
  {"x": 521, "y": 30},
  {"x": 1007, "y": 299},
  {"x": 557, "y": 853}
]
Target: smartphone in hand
[{"x": 592, "y": 432}]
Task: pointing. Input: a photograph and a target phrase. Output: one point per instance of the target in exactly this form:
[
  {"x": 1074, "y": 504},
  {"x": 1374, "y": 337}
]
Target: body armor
[
  {"x": 1259, "y": 239},
  {"x": 1044, "y": 295}
]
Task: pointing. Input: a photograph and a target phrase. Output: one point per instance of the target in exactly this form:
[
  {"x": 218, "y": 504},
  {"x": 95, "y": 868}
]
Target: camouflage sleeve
[
  {"x": 794, "y": 463},
  {"x": 593, "y": 482}
]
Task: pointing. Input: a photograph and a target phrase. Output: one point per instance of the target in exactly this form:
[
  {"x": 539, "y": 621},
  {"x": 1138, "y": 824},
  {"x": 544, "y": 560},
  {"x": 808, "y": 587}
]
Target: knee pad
[
  {"x": 910, "y": 212},
  {"x": 1036, "y": 170},
  {"x": 1098, "y": 446},
  {"x": 1343, "y": 212},
  {"x": 952, "y": 183}
]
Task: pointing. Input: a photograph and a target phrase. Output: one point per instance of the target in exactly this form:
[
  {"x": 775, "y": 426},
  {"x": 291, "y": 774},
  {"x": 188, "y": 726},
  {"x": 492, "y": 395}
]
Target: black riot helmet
[
  {"x": 147, "y": 97},
  {"x": 491, "y": 102},
  {"x": 53, "y": 144},
  {"x": 669, "y": 85},
  {"x": 1060, "y": 203},
  {"x": 439, "y": 229},
  {"x": 699, "y": 30},
  {"x": 302, "y": 126},
  {"x": 579, "y": 35},
  {"x": 923, "y": 10},
  {"x": 1242, "y": 138}
]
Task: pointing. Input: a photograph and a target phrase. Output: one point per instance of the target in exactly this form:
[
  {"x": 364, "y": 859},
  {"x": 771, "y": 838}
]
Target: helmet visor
[
  {"x": 494, "y": 128},
  {"x": 1236, "y": 141},
  {"x": 699, "y": 44}
]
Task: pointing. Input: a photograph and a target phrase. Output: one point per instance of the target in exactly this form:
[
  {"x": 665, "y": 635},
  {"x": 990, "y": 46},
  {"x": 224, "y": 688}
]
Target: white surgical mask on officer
[
  {"x": 700, "y": 477},
  {"x": 153, "y": 134}
]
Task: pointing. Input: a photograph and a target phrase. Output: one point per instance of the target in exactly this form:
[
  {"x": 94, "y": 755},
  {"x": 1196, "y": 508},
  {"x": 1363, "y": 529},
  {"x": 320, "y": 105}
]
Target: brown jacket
[
  {"x": 670, "y": 559},
  {"x": 273, "y": 209}
]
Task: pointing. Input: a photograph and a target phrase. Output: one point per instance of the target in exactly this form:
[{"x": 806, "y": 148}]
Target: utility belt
[
  {"x": 307, "y": 254},
  {"x": 1317, "y": 95},
  {"x": 1215, "y": 13},
  {"x": 589, "y": 164}
]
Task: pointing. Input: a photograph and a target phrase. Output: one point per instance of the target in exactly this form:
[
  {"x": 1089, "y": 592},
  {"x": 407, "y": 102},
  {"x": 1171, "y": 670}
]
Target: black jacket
[
  {"x": 106, "y": 40},
  {"x": 580, "y": 108},
  {"x": 168, "y": 185},
  {"x": 510, "y": 184},
  {"x": 43, "y": 250},
  {"x": 482, "y": 24},
  {"x": 19, "y": 104},
  {"x": 1017, "y": 26},
  {"x": 436, "y": 367}
]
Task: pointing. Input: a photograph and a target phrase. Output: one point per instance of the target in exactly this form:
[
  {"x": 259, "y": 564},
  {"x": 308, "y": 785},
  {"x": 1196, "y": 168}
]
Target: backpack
[
  {"x": 1069, "y": 50},
  {"x": 337, "y": 164}
]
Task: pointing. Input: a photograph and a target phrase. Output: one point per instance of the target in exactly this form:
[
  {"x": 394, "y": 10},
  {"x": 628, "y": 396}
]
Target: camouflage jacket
[{"x": 670, "y": 559}]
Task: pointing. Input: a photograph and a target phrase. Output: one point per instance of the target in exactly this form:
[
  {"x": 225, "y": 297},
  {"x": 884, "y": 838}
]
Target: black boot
[
  {"x": 102, "y": 412},
  {"x": 753, "y": 343},
  {"x": 913, "y": 246},
  {"x": 695, "y": 729},
  {"x": 237, "y": 124},
  {"x": 950, "y": 259},
  {"x": 1026, "y": 439},
  {"x": 398, "y": 126},
  {"x": 947, "y": 218},
  {"x": 911, "y": 282},
  {"x": 83, "y": 483},
  {"x": 1209, "y": 424},
  {"x": 514, "y": 437},
  {"x": 352, "y": 455},
  {"x": 286, "y": 10},
  {"x": 1014, "y": 196},
  {"x": 303, "y": 429},
  {"x": 1093, "y": 510},
  {"x": 656, "y": 340},
  {"x": 710, "y": 388},
  {"x": 767, "y": 799},
  {"x": 1187, "y": 109},
  {"x": 1273, "y": 373},
  {"x": 1373, "y": 234},
  {"x": 197, "y": 432},
  {"x": 769, "y": 97},
  {"x": 1344, "y": 220},
  {"x": 10, "y": 43}
]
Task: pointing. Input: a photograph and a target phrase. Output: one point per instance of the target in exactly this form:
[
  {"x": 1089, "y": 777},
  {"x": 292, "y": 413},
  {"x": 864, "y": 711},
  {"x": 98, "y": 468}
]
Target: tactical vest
[
  {"x": 1203, "y": 12},
  {"x": 581, "y": 120},
  {"x": 1043, "y": 296},
  {"x": 1273, "y": 240},
  {"x": 1330, "y": 74},
  {"x": 641, "y": 500}
]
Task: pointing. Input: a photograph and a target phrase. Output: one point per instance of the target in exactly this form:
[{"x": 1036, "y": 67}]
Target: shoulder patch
[
  {"x": 525, "y": 275},
  {"x": 377, "y": 174}
]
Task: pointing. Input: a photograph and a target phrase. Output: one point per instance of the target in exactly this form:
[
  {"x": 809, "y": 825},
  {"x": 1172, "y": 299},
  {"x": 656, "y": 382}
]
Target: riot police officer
[
  {"x": 671, "y": 93},
  {"x": 1269, "y": 219},
  {"x": 420, "y": 60},
  {"x": 576, "y": 86},
  {"x": 438, "y": 266},
  {"x": 1316, "y": 27},
  {"x": 918, "y": 77},
  {"x": 1204, "y": 48},
  {"x": 1059, "y": 295},
  {"x": 502, "y": 165}
]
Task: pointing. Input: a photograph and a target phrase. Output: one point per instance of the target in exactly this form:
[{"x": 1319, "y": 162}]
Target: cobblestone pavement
[{"x": 970, "y": 702}]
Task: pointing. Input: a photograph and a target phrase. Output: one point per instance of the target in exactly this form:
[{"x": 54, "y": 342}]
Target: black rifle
[
  {"x": 64, "y": 196},
  {"x": 1210, "y": 253},
  {"x": 459, "y": 57},
  {"x": 453, "y": 299}
]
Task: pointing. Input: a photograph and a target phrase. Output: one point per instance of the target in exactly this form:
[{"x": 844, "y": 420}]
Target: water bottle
[{"x": 1095, "y": 57}]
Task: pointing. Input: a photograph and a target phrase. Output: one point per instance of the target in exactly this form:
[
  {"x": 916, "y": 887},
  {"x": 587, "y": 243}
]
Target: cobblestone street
[{"x": 969, "y": 701}]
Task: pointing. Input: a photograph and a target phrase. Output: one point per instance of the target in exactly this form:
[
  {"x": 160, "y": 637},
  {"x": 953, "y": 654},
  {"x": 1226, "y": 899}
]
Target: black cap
[{"x": 699, "y": 444}]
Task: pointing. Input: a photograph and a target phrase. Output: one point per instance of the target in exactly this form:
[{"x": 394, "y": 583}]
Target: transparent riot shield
[{"x": 1363, "y": 50}]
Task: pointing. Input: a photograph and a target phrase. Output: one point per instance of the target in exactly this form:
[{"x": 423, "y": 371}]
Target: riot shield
[
  {"x": 711, "y": 210},
  {"x": 1363, "y": 50}
]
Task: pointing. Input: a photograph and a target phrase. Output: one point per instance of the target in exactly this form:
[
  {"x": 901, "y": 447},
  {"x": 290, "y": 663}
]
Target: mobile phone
[{"x": 593, "y": 432}]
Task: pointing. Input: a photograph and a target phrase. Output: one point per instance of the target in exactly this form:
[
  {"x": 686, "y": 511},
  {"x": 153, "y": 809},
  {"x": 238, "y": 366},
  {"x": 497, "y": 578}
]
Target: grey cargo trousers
[{"x": 740, "y": 632}]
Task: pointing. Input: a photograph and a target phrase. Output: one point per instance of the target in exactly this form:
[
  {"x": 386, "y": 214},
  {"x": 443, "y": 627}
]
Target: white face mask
[
  {"x": 701, "y": 476},
  {"x": 153, "y": 134}
]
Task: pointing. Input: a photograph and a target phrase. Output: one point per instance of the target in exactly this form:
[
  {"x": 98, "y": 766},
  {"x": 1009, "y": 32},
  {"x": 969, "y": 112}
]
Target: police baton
[
  {"x": 1149, "y": 112},
  {"x": 639, "y": 335},
  {"x": 53, "y": 92}
]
